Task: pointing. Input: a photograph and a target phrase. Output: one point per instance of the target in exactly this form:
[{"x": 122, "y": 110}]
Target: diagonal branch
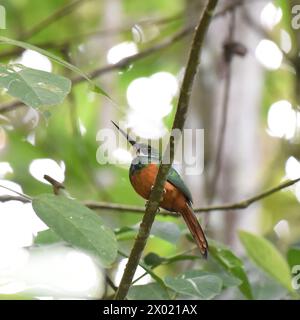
[
  {"x": 106, "y": 32},
  {"x": 9, "y": 106},
  {"x": 122, "y": 64},
  {"x": 157, "y": 191},
  {"x": 246, "y": 203},
  {"x": 62, "y": 44},
  {"x": 55, "y": 16}
]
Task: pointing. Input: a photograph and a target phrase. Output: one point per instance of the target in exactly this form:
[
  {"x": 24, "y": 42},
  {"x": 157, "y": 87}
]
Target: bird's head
[{"x": 141, "y": 149}]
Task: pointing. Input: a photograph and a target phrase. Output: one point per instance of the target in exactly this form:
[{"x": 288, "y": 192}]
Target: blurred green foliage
[{"x": 58, "y": 137}]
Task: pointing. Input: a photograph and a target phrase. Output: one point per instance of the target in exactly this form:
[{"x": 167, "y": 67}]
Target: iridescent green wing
[{"x": 175, "y": 179}]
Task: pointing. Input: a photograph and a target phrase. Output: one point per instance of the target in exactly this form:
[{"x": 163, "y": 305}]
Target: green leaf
[
  {"x": 205, "y": 286},
  {"x": 151, "y": 291},
  {"x": 53, "y": 57},
  {"x": 35, "y": 88},
  {"x": 227, "y": 279},
  {"x": 147, "y": 269},
  {"x": 47, "y": 237},
  {"x": 267, "y": 257},
  {"x": 168, "y": 231},
  {"x": 269, "y": 289},
  {"x": 293, "y": 256},
  {"x": 153, "y": 260},
  {"x": 165, "y": 230},
  {"x": 77, "y": 225},
  {"x": 231, "y": 263}
]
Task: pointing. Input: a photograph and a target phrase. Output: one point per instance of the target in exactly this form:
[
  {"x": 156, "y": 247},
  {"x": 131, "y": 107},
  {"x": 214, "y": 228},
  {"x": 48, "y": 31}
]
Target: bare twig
[
  {"x": 9, "y": 106},
  {"x": 95, "y": 205},
  {"x": 122, "y": 64},
  {"x": 7, "y": 198},
  {"x": 169, "y": 260},
  {"x": 146, "y": 268},
  {"x": 246, "y": 203},
  {"x": 108, "y": 32},
  {"x": 156, "y": 193},
  {"x": 55, "y": 16},
  {"x": 126, "y": 62},
  {"x": 20, "y": 194},
  {"x": 222, "y": 207},
  {"x": 57, "y": 186},
  {"x": 64, "y": 43},
  {"x": 228, "y": 8},
  {"x": 110, "y": 283},
  {"x": 137, "y": 209}
]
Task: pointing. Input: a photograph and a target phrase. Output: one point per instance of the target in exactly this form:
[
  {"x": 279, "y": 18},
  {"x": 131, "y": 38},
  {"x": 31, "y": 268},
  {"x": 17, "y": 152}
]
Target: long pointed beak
[{"x": 127, "y": 136}]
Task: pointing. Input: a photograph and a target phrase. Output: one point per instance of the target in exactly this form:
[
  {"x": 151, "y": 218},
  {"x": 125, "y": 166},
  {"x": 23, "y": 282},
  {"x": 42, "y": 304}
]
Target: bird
[{"x": 176, "y": 195}]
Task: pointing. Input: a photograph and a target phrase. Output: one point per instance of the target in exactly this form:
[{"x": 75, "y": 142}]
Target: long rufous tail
[{"x": 195, "y": 229}]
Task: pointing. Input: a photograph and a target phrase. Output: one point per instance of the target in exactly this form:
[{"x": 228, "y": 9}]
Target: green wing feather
[
  {"x": 175, "y": 179},
  {"x": 173, "y": 176}
]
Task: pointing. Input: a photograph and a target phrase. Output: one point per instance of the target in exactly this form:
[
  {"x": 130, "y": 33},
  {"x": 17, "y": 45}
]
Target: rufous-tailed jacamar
[{"x": 176, "y": 197}]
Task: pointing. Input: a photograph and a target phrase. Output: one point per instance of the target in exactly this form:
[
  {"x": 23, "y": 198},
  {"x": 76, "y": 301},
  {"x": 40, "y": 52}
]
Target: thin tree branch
[
  {"x": 7, "y": 198},
  {"x": 231, "y": 6},
  {"x": 9, "y": 106},
  {"x": 122, "y": 64},
  {"x": 126, "y": 62},
  {"x": 108, "y": 32},
  {"x": 110, "y": 283},
  {"x": 146, "y": 268},
  {"x": 57, "y": 186},
  {"x": 95, "y": 205},
  {"x": 169, "y": 260},
  {"x": 246, "y": 203},
  {"x": 55, "y": 16},
  {"x": 157, "y": 191},
  {"x": 19, "y": 194},
  {"x": 64, "y": 43},
  {"x": 138, "y": 209},
  {"x": 222, "y": 207}
]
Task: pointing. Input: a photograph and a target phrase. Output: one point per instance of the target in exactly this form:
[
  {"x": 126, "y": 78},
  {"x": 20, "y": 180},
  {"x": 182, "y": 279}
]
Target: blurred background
[{"x": 245, "y": 97}]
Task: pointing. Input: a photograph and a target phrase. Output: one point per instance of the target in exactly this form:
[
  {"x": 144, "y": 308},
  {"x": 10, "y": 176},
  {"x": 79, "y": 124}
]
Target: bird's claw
[
  {"x": 162, "y": 197},
  {"x": 163, "y": 194},
  {"x": 164, "y": 191}
]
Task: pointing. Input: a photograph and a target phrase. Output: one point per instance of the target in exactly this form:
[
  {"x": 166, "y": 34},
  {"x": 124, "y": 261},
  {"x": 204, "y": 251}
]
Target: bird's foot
[
  {"x": 162, "y": 197},
  {"x": 163, "y": 194}
]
